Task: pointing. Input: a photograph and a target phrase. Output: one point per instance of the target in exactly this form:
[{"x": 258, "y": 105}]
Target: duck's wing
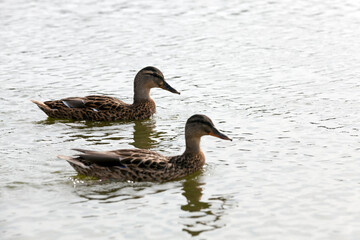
[
  {"x": 103, "y": 102},
  {"x": 94, "y": 102},
  {"x": 125, "y": 158}
]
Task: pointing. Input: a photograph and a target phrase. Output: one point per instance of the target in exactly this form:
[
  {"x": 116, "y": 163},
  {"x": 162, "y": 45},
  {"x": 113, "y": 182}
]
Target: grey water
[{"x": 279, "y": 77}]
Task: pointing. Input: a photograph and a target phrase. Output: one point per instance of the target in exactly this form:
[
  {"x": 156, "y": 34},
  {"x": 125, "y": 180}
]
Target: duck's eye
[{"x": 161, "y": 84}]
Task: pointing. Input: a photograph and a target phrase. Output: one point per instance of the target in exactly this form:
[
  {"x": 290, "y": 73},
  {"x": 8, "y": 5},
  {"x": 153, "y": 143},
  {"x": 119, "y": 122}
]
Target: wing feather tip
[{"x": 64, "y": 157}]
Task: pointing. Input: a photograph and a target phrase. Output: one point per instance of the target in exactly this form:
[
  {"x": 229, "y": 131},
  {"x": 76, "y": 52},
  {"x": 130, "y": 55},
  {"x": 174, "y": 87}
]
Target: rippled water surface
[{"x": 279, "y": 77}]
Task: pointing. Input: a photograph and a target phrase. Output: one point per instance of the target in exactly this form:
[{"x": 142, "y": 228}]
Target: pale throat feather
[
  {"x": 192, "y": 145},
  {"x": 141, "y": 91}
]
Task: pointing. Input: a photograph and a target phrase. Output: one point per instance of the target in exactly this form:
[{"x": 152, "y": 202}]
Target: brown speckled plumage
[
  {"x": 99, "y": 108},
  {"x": 140, "y": 165},
  {"x": 146, "y": 165},
  {"x": 104, "y": 108}
]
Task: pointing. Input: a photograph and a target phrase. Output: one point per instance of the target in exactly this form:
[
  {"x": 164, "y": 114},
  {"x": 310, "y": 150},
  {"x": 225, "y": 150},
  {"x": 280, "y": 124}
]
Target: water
[{"x": 279, "y": 77}]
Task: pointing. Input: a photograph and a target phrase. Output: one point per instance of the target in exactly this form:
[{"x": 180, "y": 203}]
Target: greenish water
[{"x": 280, "y": 78}]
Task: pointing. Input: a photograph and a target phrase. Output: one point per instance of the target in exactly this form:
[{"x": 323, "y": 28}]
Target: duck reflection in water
[
  {"x": 145, "y": 134},
  {"x": 203, "y": 216}
]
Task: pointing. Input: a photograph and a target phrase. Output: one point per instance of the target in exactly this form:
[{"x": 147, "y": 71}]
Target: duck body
[
  {"x": 146, "y": 165},
  {"x": 105, "y": 108},
  {"x": 97, "y": 108},
  {"x": 135, "y": 165}
]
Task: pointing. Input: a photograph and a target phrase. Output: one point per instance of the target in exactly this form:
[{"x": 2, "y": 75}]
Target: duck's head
[
  {"x": 199, "y": 125},
  {"x": 151, "y": 77}
]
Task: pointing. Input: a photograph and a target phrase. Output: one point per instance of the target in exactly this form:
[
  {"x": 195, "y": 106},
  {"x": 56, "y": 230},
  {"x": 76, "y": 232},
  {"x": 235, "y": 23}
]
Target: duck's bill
[
  {"x": 166, "y": 86},
  {"x": 218, "y": 134}
]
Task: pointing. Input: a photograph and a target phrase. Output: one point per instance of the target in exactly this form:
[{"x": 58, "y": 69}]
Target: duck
[
  {"x": 105, "y": 108},
  {"x": 139, "y": 165}
]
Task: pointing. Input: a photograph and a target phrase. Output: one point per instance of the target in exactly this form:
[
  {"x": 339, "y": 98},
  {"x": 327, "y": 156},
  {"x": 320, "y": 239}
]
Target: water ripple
[{"x": 279, "y": 78}]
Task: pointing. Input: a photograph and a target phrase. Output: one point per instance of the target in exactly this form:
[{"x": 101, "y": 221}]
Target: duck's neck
[
  {"x": 141, "y": 92},
  {"x": 193, "y": 158},
  {"x": 192, "y": 145}
]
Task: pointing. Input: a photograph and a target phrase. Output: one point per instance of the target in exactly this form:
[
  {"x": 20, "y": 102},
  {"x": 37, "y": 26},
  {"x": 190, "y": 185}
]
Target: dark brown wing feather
[
  {"x": 92, "y": 102},
  {"x": 126, "y": 158}
]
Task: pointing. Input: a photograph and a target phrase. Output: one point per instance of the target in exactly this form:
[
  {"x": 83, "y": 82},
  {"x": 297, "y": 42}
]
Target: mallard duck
[
  {"x": 103, "y": 108},
  {"x": 146, "y": 165}
]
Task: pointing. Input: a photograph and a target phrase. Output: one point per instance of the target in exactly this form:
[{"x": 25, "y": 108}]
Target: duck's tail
[
  {"x": 73, "y": 161},
  {"x": 46, "y": 109},
  {"x": 41, "y": 105}
]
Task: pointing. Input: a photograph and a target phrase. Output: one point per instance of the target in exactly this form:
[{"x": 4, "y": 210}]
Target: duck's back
[
  {"x": 97, "y": 108},
  {"x": 93, "y": 102},
  {"x": 124, "y": 164},
  {"x": 135, "y": 165}
]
